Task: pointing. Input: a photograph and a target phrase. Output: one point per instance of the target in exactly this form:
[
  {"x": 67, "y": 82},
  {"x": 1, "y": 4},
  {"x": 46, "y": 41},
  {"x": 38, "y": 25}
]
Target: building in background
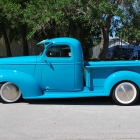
[{"x": 114, "y": 43}]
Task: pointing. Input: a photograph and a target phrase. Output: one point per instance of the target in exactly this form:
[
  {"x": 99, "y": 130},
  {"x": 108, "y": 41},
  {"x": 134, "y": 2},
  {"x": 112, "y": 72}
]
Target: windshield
[{"x": 40, "y": 48}]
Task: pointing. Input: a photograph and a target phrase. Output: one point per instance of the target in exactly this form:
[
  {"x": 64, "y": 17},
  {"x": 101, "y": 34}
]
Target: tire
[
  {"x": 125, "y": 93},
  {"x": 10, "y": 93}
]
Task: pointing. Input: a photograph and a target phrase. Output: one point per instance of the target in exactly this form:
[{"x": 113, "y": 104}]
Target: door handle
[{"x": 51, "y": 66}]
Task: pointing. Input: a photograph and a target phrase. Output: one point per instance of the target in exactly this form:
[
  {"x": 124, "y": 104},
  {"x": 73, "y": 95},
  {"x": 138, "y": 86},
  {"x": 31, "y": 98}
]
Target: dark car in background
[{"x": 123, "y": 52}]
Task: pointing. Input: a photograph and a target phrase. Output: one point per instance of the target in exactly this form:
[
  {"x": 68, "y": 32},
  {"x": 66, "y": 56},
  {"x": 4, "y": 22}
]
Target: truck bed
[{"x": 98, "y": 72}]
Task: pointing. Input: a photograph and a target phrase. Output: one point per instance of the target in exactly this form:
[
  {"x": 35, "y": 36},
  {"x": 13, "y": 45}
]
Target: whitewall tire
[
  {"x": 125, "y": 93},
  {"x": 10, "y": 93}
]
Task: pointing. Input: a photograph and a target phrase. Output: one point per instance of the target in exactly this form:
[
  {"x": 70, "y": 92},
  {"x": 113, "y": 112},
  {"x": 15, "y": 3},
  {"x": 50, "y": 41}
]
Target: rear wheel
[
  {"x": 125, "y": 93},
  {"x": 10, "y": 93}
]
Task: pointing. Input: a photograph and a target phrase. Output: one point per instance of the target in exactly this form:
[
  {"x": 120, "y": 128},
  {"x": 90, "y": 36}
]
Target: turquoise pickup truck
[{"x": 60, "y": 72}]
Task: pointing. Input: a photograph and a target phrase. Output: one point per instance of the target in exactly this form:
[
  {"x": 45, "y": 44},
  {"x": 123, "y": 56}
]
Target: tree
[
  {"x": 3, "y": 31},
  {"x": 22, "y": 23},
  {"x": 58, "y": 18},
  {"x": 130, "y": 31},
  {"x": 14, "y": 10},
  {"x": 109, "y": 14},
  {"x": 105, "y": 15},
  {"x": 82, "y": 19}
]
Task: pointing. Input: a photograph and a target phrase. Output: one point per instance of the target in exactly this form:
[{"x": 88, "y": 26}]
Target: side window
[{"x": 59, "y": 51}]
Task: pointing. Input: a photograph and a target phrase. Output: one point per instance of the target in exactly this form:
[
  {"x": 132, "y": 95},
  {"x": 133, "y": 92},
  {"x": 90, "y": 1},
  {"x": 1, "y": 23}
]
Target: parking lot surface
[{"x": 69, "y": 119}]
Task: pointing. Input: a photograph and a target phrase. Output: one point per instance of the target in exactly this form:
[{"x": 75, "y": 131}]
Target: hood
[{"x": 18, "y": 60}]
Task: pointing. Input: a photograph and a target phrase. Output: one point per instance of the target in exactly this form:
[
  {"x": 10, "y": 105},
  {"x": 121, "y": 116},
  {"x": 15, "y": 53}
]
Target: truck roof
[{"x": 59, "y": 40}]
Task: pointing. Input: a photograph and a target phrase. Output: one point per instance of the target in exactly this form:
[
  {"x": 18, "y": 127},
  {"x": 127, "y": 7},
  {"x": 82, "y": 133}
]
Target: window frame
[{"x": 57, "y": 45}]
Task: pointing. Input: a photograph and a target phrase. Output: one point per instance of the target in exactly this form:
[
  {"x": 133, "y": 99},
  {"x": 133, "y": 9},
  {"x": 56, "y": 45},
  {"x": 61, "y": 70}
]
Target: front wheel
[
  {"x": 10, "y": 93},
  {"x": 125, "y": 93}
]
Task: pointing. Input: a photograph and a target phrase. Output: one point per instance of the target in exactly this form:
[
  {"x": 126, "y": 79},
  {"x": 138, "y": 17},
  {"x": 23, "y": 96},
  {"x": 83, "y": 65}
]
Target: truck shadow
[{"x": 75, "y": 101}]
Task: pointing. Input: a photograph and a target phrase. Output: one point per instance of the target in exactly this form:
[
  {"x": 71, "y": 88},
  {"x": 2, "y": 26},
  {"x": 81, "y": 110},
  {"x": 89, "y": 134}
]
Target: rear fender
[
  {"x": 119, "y": 76},
  {"x": 26, "y": 83}
]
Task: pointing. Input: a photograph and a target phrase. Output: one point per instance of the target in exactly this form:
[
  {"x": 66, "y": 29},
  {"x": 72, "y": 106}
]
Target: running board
[{"x": 49, "y": 95}]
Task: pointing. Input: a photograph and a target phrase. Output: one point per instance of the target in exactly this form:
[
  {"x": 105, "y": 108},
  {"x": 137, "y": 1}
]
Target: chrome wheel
[
  {"x": 125, "y": 93},
  {"x": 10, "y": 92}
]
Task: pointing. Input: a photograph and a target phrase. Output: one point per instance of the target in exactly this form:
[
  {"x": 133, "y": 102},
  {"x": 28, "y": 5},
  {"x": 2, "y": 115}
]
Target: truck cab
[{"x": 62, "y": 65}]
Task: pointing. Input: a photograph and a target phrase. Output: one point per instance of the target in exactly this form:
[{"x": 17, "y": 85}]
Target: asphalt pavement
[{"x": 69, "y": 119}]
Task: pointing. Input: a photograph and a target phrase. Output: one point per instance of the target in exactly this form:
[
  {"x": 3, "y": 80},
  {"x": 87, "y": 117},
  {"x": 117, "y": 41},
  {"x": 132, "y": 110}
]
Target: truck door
[{"x": 58, "y": 68}]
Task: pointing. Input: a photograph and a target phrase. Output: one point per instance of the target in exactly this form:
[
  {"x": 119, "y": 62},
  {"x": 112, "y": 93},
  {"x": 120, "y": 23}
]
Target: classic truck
[{"x": 60, "y": 72}]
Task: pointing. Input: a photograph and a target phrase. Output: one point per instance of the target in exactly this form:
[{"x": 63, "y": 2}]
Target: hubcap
[
  {"x": 125, "y": 93},
  {"x": 10, "y": 92}
]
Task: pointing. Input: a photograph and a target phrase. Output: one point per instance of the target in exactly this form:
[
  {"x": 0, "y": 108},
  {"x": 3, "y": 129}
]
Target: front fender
[
  {"x": 26, "y": 83},
  {"x": 119, "y": 76}
]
